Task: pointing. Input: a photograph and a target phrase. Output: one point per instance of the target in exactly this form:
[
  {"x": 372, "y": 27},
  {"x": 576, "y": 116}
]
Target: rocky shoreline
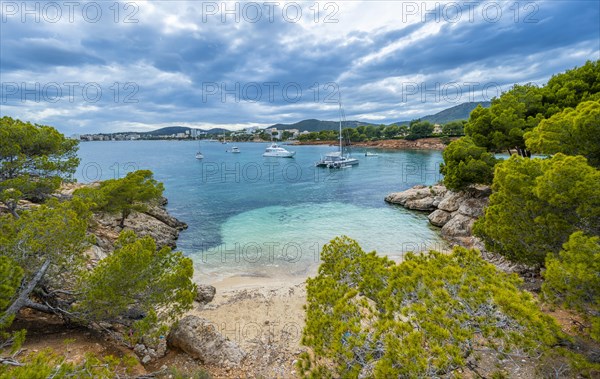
[
  {"x": 433, "y": 143},
  {"x": 455, "y": 213}
]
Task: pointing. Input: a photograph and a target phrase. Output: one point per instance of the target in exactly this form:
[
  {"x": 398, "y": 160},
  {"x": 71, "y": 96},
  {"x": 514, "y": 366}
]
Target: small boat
[
  {"x": 235, "y": 149},
  {"x": 279, "y": 152},
  {"x": 369, "y": 154}
]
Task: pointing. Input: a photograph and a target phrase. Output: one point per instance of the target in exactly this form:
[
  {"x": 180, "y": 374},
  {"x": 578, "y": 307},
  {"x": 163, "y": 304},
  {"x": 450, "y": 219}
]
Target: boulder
[
  {"x": 420, "y": 197},
  {"x": 424, "y": 204},
  {"x": 473, "y": 207},
  {"x": 199, "y": 338},
  {"x": 414, "y": 193},
  {"x": 451, "y": 201},
  {"x": 439, "y": 217},
  {"x": 458, "y": 226},
  {"x": 205, "y": 293}
]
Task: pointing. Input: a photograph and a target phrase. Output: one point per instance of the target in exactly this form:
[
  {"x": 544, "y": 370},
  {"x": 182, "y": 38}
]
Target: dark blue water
[{"x": 247, "y": 214}]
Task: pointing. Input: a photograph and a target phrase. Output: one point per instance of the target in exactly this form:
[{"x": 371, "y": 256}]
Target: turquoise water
[{"x": 255, "y": 216}]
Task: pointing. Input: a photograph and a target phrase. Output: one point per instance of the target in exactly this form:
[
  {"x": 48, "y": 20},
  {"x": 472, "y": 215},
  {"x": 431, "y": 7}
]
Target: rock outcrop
[
  {"x": 420, "y": 198},
  {"x": 156, "y": 222},
  {"x": 199, "y": 338},
  {"x": 454, "y": 212}
]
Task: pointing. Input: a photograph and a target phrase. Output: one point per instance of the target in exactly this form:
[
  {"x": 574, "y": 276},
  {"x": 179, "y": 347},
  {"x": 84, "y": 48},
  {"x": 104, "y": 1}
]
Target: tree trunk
[
  {"x": 124, "y": 215},
  {"x": 12, "y": 208},
  {"x": 23, "y": 298}
]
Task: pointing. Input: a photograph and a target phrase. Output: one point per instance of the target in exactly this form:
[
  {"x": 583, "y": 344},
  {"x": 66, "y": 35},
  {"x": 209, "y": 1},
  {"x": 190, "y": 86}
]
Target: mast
[{"x": 340, "y": 136}]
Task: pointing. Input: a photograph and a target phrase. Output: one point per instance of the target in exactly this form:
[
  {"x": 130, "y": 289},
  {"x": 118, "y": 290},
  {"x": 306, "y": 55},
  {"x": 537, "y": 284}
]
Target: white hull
[
  {"x": 337, "y": 160},
  {"x": 275, "y": 151},
  {"x": 280, "y": 155}
]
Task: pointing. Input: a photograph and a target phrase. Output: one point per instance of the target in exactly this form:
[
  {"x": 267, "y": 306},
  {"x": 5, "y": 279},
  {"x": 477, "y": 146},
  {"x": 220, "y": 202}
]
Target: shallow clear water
[{"x": 255, "y": 216}]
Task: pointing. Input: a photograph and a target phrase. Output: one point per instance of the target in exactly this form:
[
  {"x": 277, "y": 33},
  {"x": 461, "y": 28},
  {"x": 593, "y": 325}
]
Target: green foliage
[
  {"x": 454, "y": 128},
  {"x": 537, "y": 204},
  {"x": 34, "y": 160},
  {"x": 572, "y": 87},
  {"x": 48, "y": 243},
  {"x": 572, "y": 132},
  {"x": 572, "y": 280},
  {"x": 424, "y": 317},
  {"x": 175, "y": 373},
  {"x": 521, "y": 109},
  {"x": 54, "y": 231},
  {"x": 419, "y": 129},
  {"x": 158, "y": 284},
  {"x": 466, "y": 164},
  {"x": 391, "y": 131},
  {"x": 131, "y": 193},
  {"x": 501, "y": 126},
  {"x": 10, "y": 280},
  {"x": 47, "y": 364},
  {"x": 563, "y": 363}
]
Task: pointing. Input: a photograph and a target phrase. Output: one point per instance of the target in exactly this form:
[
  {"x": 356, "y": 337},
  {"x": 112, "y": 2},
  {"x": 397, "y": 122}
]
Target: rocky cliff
[{"x": 156, "y": 222}]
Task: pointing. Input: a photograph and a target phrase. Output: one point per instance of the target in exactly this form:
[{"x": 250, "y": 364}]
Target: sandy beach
[{"x": 265, "y": 317}]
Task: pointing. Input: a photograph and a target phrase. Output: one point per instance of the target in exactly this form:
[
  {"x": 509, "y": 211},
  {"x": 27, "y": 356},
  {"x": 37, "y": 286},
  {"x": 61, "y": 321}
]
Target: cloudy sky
[{"x": 108, "y": 66}]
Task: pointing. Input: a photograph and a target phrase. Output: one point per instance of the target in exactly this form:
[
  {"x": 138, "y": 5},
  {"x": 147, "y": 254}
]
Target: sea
[{"x": 251, "y": 216}]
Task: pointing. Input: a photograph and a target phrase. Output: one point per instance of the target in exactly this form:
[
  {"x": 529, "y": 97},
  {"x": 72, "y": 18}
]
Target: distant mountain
[
  {"x": 313, "y": 125},
  {"x": 458, "y": 112}
]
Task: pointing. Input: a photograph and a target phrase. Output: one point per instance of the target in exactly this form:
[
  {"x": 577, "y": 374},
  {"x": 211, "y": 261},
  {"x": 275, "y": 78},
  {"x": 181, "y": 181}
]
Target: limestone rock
[
  {"x": 205, "y": 293},
  {"x": 439, "y": 217},
  {"x": 473, "y": 207},
  {"x": 424, "y": 204},
  {"x": 163, "y": 216},
  {"x": 418, "y": 197},
  {"x": 458, "y": 226},
  {"x": 200, "y": 339},
  {"x": 451, "y": 201},
  {"x": 414, "y": 193}
]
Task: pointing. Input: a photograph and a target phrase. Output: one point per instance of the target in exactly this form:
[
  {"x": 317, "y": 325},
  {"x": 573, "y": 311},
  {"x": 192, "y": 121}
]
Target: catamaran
[{"x": 336, "y": 159}]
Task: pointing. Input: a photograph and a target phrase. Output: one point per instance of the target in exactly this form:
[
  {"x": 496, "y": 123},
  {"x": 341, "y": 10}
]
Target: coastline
[{"x": 433, "y": 143}]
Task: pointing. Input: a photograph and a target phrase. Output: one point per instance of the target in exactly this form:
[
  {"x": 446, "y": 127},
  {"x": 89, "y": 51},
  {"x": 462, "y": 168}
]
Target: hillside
[
  {"x": 458, "y": 112},
  {"x": 313, "y": 125},
  {"x": 182, "y": 129},
  {"x": 167, "y": 131}
]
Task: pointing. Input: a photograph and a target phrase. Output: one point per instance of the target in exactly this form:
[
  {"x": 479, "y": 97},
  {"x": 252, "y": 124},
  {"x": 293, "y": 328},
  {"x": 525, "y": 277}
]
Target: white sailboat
[{"x": 337, "y": 159}]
